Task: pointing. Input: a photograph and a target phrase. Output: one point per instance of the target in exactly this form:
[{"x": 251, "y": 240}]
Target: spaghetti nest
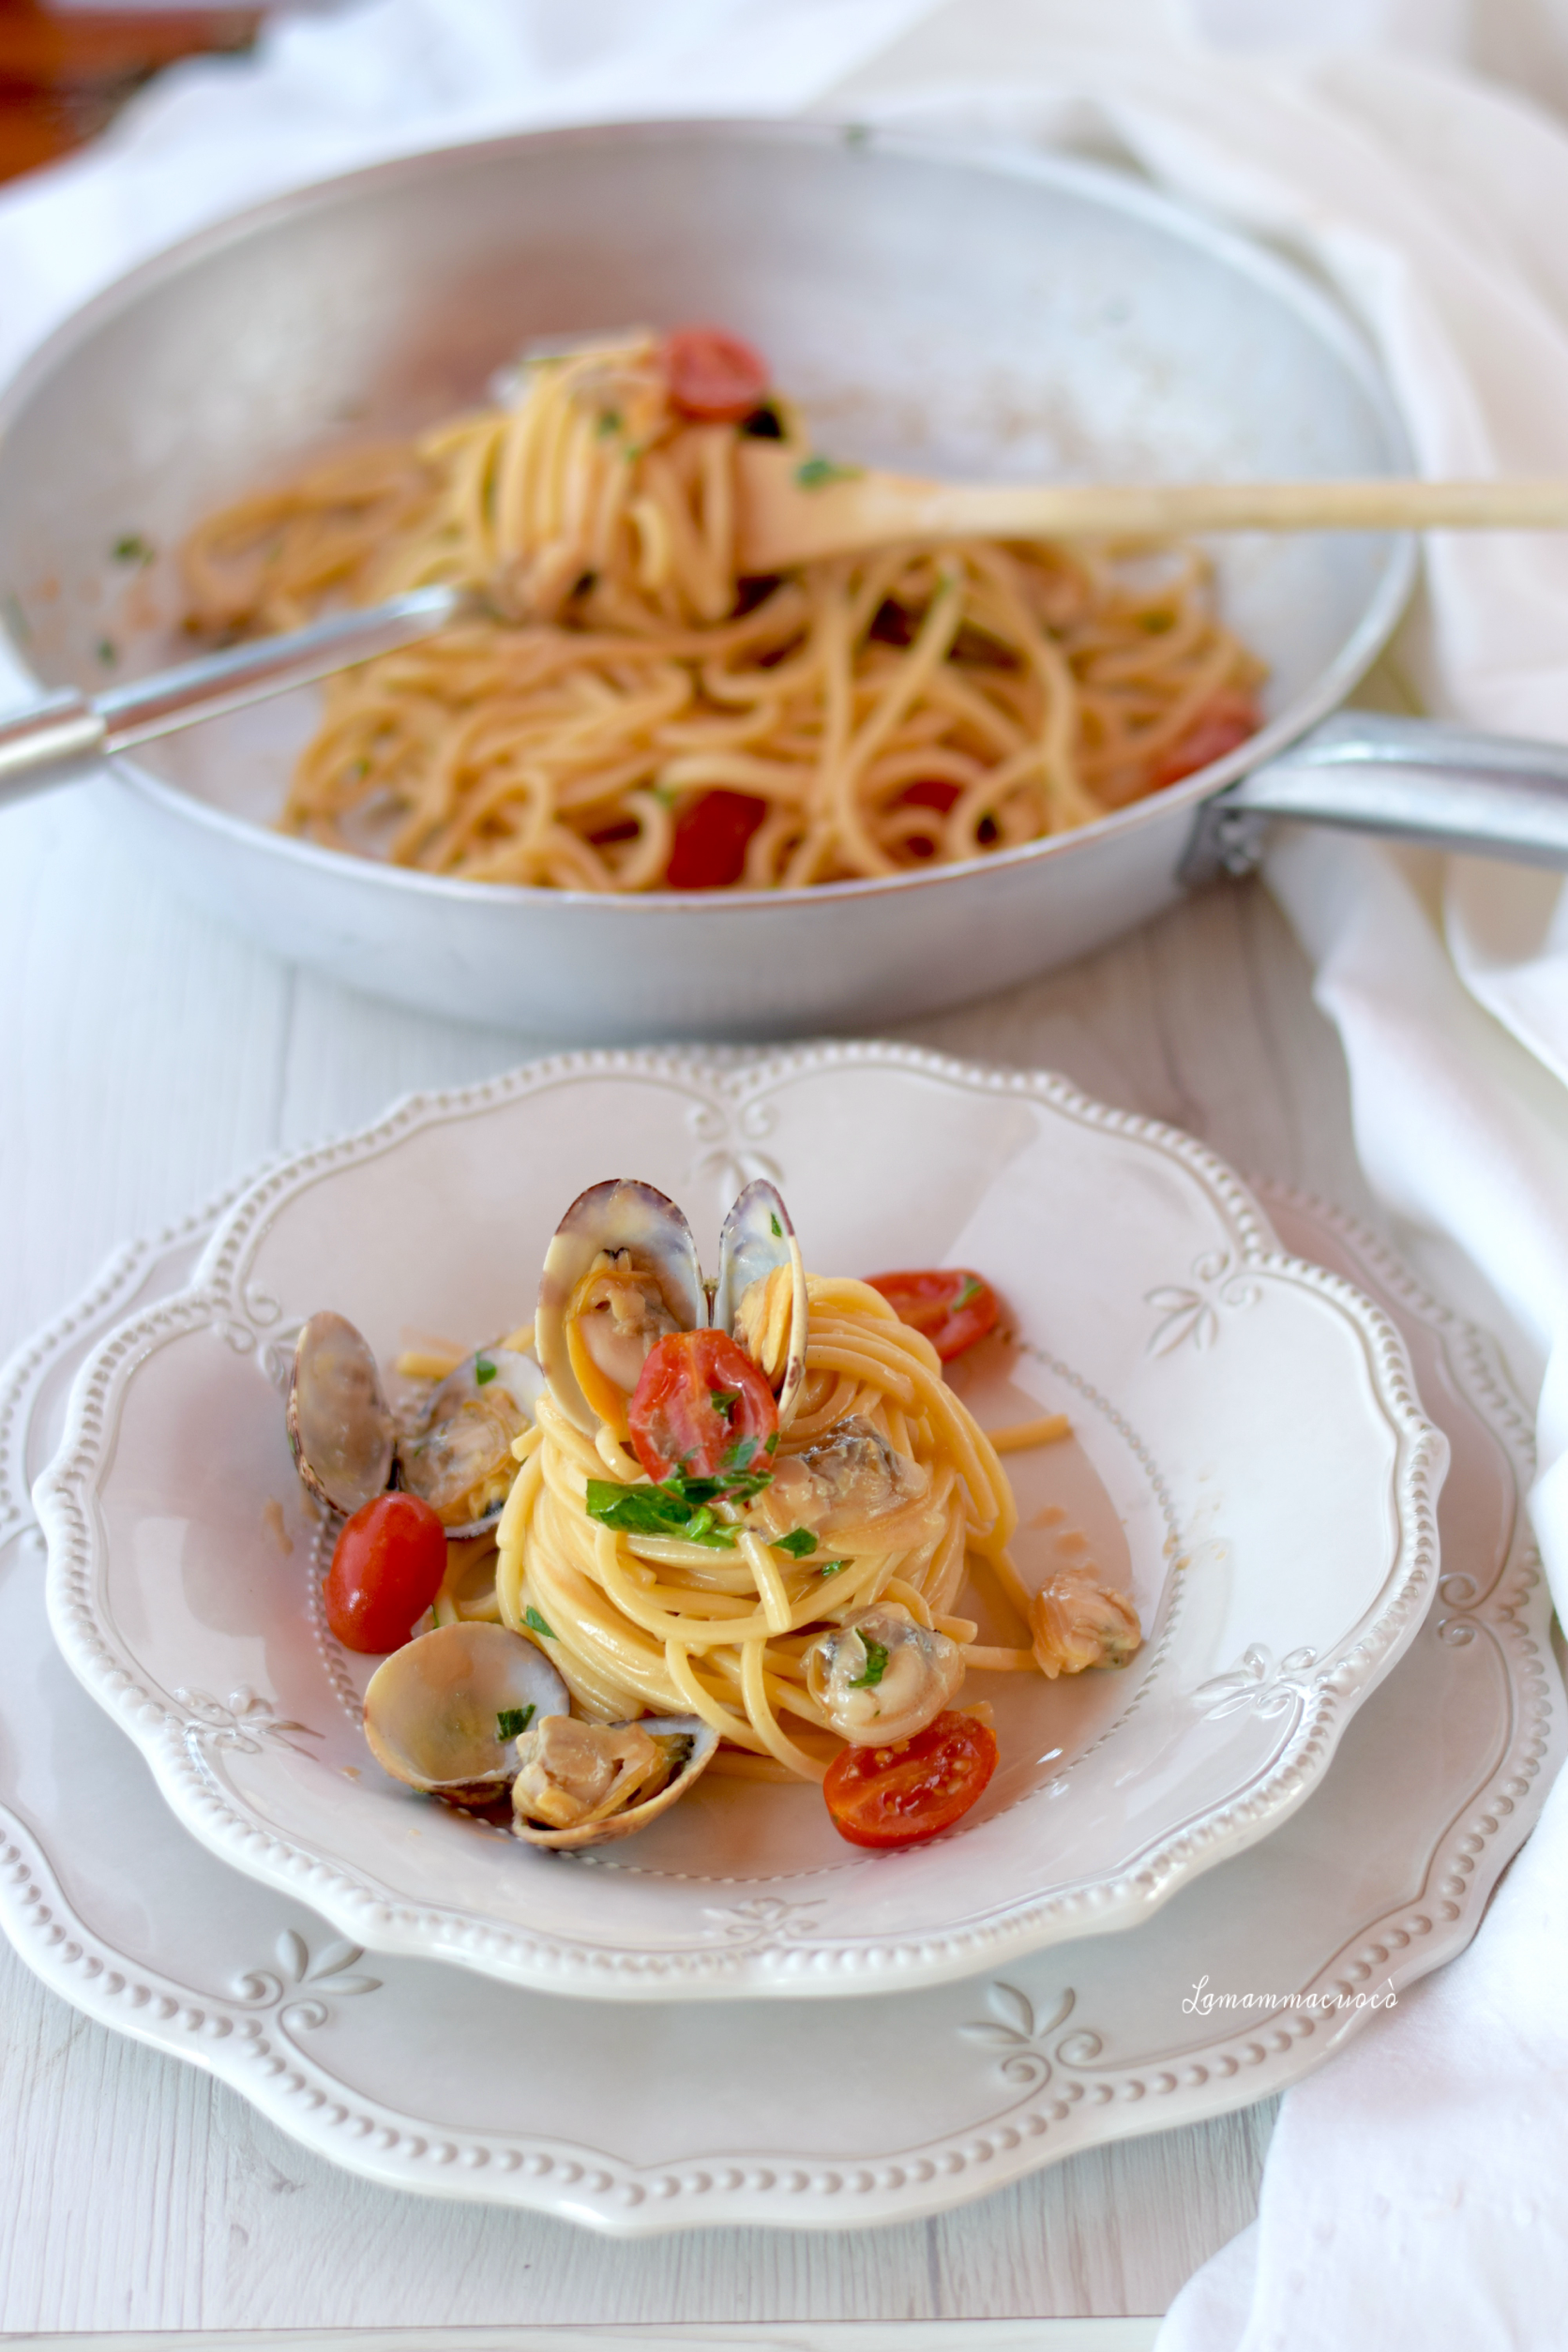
[
  {"x": 650, "y": 1623},
  {"x": 658, "y": 721}
]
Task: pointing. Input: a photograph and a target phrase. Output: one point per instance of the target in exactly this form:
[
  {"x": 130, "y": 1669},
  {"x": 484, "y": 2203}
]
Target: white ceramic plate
[
  {"x": 1250, "y": 1457},
  {"x": 417, "y": 2078}
]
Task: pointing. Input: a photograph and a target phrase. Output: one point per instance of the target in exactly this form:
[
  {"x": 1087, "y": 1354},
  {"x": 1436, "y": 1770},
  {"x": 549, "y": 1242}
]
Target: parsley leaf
[
  {"x": 738, "y": 1458},
  {"x": 512, "y": 1722},
  {"x": 672, "y": 1508},
  {"x": 797, "y": 1542},
  {"x": 831, "y": 1567},
  {"x": 535, "y": 1624},
  {"x": 777, "y": 1229},
  {"x": 876, "y": 1664},
  {"x": 132, "y": 549},
  {"x": 724, "y": 1400},
  {"x": 817, "y": 473},
  {"x": 610, "y": 422},
  {"x": 108, "y": 651},
  {"x": 484, "y": 1370},
  {"x": 972, "y": 1290}
]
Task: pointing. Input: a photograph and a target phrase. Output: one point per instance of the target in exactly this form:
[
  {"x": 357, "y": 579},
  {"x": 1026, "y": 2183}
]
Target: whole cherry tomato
[
  {"x": 710, "y": 836},
  {"x": 387, "y": 1568},
  {"x": 914, "y": 1788},
  {"x": 700, "y": 1406},
  {"x": 951, "y": 1306},
  {"x": 712, "y": 375},
  {"x": 1227, "y": 719}
]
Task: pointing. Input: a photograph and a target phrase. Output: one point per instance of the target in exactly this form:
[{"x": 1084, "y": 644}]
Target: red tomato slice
[
  {"x": 712, "y": 375},
  {"x": 387, "y": 1570},
  {"x": 700, "y": 1399},
  {"x": 1226, "y": 721},
  {"x": 896, "y": 1796},
  {"x": 952, "y": 1307},
  {"x": 930, "y": 791},
  {"x": 711, "y": 834}
]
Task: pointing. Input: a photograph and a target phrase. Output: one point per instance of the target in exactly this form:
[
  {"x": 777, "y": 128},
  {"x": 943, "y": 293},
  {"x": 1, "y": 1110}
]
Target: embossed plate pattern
[
  {"x": 1248, "y": 1418},
  {"x": 413, "y": 2077}
]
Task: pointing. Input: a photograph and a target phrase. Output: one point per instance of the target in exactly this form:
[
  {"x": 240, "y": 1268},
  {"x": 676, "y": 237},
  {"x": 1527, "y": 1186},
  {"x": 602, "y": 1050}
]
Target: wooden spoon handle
[{"x": 790, "y": 513}]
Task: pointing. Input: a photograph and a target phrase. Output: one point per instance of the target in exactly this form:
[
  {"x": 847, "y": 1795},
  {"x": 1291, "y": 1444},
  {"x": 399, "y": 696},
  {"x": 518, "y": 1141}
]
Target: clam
[
  {"x": 445, "y": 1711},
  {"x": 584, "y": 1784},
  {"x": 850, "y": 1475},
  {"x": 883, "y": 1676},
  {"x": 760, "y": 1298},
  {"x": 341, "y": 1428},
  {"x": 620, "y": 1274},
  {"x": 459, "y": 1460}
]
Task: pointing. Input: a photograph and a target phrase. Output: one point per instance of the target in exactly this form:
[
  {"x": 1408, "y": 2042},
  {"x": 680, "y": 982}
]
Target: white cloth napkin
[{"x": 1416, "y": 2192}]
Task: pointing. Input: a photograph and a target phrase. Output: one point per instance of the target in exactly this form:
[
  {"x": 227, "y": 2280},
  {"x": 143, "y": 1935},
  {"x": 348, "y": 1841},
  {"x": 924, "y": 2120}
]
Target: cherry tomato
[
  {"x": 915, "y": 1789},
  {"x": 952, "y": 1307},
  {"x": 712, "y": 375},
  {"x": 1227, "y": 719},
  {"x": 930, "y": 791},
  {"x": 699, "y": 1398},
  {"x": 387, "y": 1570},
  {"x": 711, "y": 834}
]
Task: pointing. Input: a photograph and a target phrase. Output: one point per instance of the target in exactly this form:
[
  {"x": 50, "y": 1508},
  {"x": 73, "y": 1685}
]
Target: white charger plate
[
  {"x": 1250, "y": 1457},
  {"x": 420, "y": 2078}
]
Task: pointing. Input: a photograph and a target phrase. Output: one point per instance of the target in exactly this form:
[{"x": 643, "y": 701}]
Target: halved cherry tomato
[
  {"x": 712, "y": 375},
  {"x": 915, "y": 1789},
  {"x": 952, "y": 1307},
  {"x": 711, "y": 834},
  {"x": 1227, "y": 719},
  {"x": 698, "y": 1402},
  {"x": 387, "y": 1570}
]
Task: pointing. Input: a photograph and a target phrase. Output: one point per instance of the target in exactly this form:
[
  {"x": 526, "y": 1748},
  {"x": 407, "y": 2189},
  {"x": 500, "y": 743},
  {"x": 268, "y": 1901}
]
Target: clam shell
[
  {"x": 619, "y": 1213},
  {"x": 460, "y": 1444},
  {"x": 704, "y": 1747},
  {"x": 432, "y": 1707},
  {"x": 758, "y": 1236},
  {"x": 341, "y": 1428}
]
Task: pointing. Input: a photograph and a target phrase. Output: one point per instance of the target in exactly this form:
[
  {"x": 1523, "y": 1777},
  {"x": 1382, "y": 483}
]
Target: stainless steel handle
[
  {"x": 1410, "y": 779},
  {"x": 60, "y": 740}
]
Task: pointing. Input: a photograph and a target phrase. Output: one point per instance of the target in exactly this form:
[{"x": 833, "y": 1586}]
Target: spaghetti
[
  {"x": 650, "y": 719},
  {"x": 650, "y": 1623}
]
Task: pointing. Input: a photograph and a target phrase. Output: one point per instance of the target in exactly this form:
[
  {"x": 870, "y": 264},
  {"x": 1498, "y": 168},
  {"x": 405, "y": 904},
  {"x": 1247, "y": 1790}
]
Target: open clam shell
[
  {"x": 460, "y": 1461},
  {"x": 757, "y": 1243},
  {"x": 621, "y": 1271},
  {"x": 341, "y": 1428},
  {"x": 700, "y": 1753},
  {"x": 440, "y": 1712}
]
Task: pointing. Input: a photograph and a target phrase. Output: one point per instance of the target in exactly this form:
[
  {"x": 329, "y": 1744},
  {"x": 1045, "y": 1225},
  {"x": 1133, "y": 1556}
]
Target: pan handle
[{"x": 1409, "y": 779}]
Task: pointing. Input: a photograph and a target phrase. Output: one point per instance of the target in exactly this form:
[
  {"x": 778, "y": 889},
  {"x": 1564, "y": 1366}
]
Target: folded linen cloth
[{"x": 1417, "y": 2189}]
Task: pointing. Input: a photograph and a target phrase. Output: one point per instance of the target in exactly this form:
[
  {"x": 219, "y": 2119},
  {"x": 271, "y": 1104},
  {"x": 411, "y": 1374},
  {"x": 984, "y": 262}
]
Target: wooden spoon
[{"x": 788, "y": 512}]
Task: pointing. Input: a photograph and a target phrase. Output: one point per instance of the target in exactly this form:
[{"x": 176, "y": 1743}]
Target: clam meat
[
  {"x": 584, "y": 1784},
  {"x": 883, "y": 1676},
  {"x": 621, "y": 1273},
  {"x": 444, "y": 1712},
  {"x": 459, "y": 1460},
  {"x": 844, "y": 1479}
]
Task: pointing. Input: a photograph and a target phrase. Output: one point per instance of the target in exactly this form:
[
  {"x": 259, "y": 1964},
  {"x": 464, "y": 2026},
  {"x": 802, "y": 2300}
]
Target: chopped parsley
[
  {"x": 777, "y": 1229},
  {"x": 817, "y": 473},
  {"x": 831, "y": 1567},
  {"x": 484, "y": 1370},
  {"x": 108, "y": 651},
  {"x": 876, "y": 1664},
  {"x": 535, "y": 1624},
  {"x": 799, "y": 1540},
  {"x": 132, "y": 549},
  {"x": 16, "y": 620},
  {"x": 512, "y": 1722},
  {"x": 610, "y": 422},
  {"x": 972, "y": 1290},
  {"x": 680, "y": 1505},
  {"x": 724, "y": 1400}
]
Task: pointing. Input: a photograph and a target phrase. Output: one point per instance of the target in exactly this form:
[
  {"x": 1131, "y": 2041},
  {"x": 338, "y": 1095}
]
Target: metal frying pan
[{"x": 932, "y": 310}]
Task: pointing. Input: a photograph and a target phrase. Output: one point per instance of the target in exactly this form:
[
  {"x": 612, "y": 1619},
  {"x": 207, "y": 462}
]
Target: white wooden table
[{"x": 147, "y": 1059}]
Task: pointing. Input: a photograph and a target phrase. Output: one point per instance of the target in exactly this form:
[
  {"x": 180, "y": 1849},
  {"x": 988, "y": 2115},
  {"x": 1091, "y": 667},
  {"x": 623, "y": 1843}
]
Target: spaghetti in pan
[{"x": 639, "y": 715}]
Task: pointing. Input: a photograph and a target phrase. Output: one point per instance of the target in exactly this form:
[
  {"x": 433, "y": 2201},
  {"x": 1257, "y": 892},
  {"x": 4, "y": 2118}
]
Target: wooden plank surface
[{"x": 147, "y": 1059}]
